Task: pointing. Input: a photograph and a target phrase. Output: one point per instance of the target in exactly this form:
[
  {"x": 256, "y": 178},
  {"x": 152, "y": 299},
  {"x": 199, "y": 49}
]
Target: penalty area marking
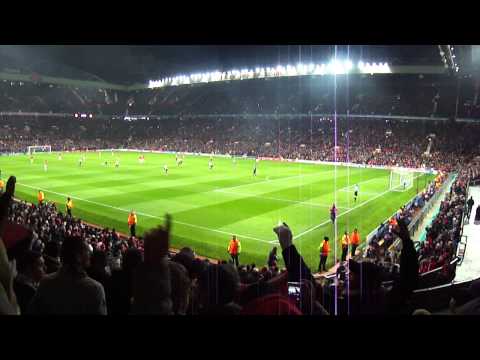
[{"x": 344, "y": 213}]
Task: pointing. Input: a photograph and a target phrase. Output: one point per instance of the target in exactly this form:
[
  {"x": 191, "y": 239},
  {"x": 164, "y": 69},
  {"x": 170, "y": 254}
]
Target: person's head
[
  {"x": 131, "y": 259},
  {"x": 31, "y": 265},
  {"x": 346, "y": 233},
  {"x": 99, "y": 259},
  {"x": 234, "y": 237},
  {"x": 181, "y": 287},
  {"x": 218, "y": 285},
  {"x": 75, "y": 253},
  {"x": 325, "y": 238},
  {"x": 52, "y": 249},
  {"x": 364, "y": 276},
  {"x": 355, "y": 230},
  {"x": 68, "y": 199}
]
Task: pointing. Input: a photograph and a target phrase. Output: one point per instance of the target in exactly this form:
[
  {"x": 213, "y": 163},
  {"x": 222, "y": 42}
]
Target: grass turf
[{"x": 209, "y": 205}]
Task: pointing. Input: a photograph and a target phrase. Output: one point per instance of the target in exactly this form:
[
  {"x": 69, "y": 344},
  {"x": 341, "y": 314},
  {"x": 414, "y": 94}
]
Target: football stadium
[{"x": 342, "y": 180}]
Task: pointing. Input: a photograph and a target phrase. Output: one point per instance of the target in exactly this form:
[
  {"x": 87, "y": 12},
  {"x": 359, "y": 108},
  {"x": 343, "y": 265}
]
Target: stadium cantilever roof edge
[
  {"x": 333, "y": 68},
  {"x": 38, "y": 78}
]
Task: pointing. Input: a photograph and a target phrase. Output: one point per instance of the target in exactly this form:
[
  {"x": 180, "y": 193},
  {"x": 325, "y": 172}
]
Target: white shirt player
[
  {"x": 45, "y": 166},
  {"x": 210, "y": 164},
  {"x": 356, "y": 188},
  {"x": 165, "y": 168}
]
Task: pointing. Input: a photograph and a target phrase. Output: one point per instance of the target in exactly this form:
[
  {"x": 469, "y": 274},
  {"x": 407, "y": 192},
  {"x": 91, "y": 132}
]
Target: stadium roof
[{"x": 124, "y": 64}]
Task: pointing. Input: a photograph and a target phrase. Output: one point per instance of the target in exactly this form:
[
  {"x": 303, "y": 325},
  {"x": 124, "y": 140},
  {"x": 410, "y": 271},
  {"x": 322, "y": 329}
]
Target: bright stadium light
[{"x": 299, "y": 69}]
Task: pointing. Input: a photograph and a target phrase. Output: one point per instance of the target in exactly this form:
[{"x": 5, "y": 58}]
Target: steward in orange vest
[
  {"x": 345, "y": 243},
  {"x": 69, "y": 206},
  {"x": 132, "y": 222},
  {"x": 234, "y": 249},
  {"x": 41, "y": 197},
  {"x": 355, "y": 241},
  {"x": 324, "y": 250}
]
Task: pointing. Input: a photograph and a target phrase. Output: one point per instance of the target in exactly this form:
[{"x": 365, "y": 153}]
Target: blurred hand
[
  {"x": 157, "y": 242},
  {"x": 284, "y": 235},
  {"x": 402, "y": 230}
]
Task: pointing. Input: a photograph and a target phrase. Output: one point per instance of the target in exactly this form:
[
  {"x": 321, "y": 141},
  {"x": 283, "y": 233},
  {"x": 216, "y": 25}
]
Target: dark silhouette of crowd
[{"x": 394, "y": 94}]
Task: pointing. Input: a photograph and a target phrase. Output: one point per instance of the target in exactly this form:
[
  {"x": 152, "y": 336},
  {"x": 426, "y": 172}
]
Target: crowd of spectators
[
  {"x": 405, "y": 95},
  {"x": 400, "y": 95},
  {"x": 380, "y": 245},
  {"x": 374, "y": 142}
]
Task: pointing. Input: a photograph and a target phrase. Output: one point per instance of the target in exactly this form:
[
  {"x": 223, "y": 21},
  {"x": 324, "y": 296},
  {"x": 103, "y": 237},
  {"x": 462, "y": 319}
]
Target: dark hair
[
  {"x": 27, "y": 260},
  {"x": 71, "y": 248},
  {"x": 52, "y": 248},
  {"x": 99, "y": 258},
  {"x": 131, "y": 259},
  {"x": 220, "y": 284}
]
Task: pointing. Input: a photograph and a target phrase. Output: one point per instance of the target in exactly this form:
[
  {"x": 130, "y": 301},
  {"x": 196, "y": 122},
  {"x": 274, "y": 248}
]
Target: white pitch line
[
  {"x": 147, "y": 215},
  {"x": 279, "y": 179},
  {"x": 276, "y": 199},
  {"x": 344, "y": 213},
  {"x": 363, "y": 192}
]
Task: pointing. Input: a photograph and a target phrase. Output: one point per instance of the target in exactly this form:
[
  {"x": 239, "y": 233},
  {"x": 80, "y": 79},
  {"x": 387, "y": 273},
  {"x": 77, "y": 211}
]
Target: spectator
[
  {"x": 121, "y": 284},
  {"x": 218, "y": 286},
  {"x": 152, "y": 284},
  {"x": 31, "y": 270},
  {"x": 70, "y": 290},
  {"x": 51, "y": 256},
  {"x": 98, "y": 268},
  {"x": 181, "y": 288}
]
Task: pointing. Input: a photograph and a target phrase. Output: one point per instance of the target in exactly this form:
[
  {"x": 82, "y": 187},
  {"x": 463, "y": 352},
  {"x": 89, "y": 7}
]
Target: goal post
[
  {"x": 401, "y": 179},
  {"x": 39, "y": 149}
]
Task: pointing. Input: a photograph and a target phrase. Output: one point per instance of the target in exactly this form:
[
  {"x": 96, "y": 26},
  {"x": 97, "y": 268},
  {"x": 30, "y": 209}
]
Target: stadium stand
[{"x": 129, "y": 275}]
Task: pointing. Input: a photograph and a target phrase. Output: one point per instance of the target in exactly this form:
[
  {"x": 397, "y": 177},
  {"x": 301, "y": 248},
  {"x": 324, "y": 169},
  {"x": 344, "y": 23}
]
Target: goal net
[
  {"x": 39, "y": 149},
  {"x": 401, "y": 180}
]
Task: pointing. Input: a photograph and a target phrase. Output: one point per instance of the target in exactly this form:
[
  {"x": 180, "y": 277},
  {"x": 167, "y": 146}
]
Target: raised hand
[
  {"x": 157, "y": 242},
  {"x": 403, "y": 232},
  {"x": 284, "y": 235}
]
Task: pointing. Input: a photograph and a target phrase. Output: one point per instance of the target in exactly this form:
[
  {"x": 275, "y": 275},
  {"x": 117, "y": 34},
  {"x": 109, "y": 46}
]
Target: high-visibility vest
[
  {"x": 2, "y": 184},
  {"x": 69, "y": 204},
  {"x": 132, "y": 219},
  {"x": 355, "y": 238},
  {"x": 345, "y": 240},
  {"x": 234, "y": 247},
  {"x": 325, "y": 248},
  {"x": 41, "y": 196}
]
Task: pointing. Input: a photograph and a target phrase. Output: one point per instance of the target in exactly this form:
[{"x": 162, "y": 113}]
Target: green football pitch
[{"x": 208, "y": 206}]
